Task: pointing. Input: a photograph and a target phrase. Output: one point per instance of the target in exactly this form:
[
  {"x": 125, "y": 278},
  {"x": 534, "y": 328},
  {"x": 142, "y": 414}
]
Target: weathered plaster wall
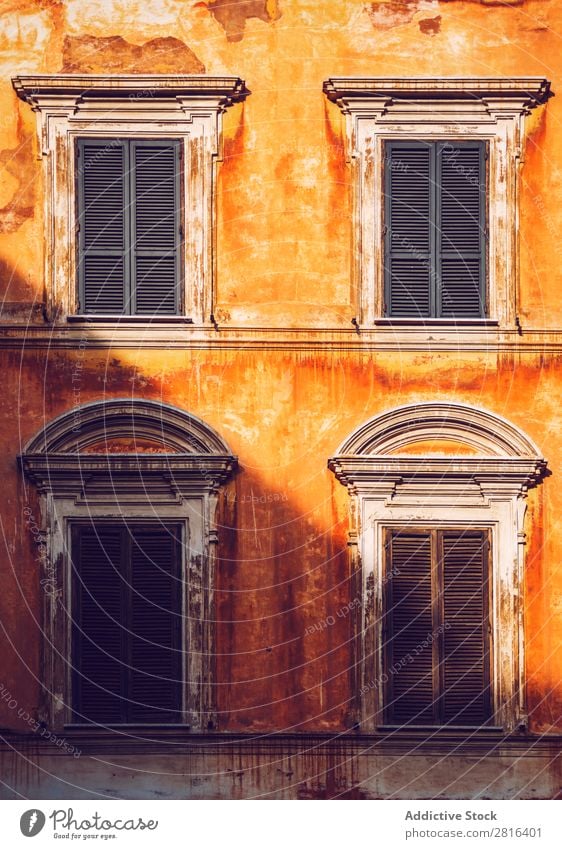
[
  {"x": 287, "y": 769},
  {"x": 285, "y": 568},
  {"x": 283, "y": 260}
]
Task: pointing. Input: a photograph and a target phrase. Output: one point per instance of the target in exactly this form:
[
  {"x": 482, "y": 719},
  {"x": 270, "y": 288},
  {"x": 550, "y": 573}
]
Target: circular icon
[{"x": 32, "y": 822}]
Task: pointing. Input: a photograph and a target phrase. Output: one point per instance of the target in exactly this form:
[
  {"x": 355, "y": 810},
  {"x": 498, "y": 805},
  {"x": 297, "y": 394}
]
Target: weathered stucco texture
[{"x": 283, "y": 260}]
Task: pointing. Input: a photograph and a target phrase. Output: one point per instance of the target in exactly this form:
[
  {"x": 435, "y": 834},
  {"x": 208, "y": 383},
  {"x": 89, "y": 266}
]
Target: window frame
[
  {"x": 436, "y": 283},
  {"x": 178, "y": 486},
  {"x": 129, "y": 291},
  {"x": 155, "y": 106},
  {"x": 485, "y": 488},
  {"x": 488, "y": 109}
]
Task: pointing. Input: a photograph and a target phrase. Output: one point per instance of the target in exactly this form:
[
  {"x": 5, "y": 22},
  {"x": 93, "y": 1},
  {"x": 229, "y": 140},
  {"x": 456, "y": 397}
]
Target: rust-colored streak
[
  {"x": 232, "y": 16},
  {"x": 112, "y": 54}
]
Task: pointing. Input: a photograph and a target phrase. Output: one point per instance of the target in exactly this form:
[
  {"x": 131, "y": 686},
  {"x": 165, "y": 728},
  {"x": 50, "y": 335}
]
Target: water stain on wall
[{"x": 112, "y": 54}]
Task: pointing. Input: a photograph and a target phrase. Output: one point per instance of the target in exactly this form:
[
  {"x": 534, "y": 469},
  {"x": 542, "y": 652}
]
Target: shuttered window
[
  {"x": 129, "y": 226},
  {"x": 436, "y": 629},
  {"x": 126, "y": 615},
  {"x": 435, "y": 229}
]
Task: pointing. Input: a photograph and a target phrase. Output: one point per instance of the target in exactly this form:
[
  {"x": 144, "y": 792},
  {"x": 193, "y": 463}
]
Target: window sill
[
  {"x": 444, "y": 729},
  {"x": 443, "y": 323},
  {"x": 128, "y": 319}
]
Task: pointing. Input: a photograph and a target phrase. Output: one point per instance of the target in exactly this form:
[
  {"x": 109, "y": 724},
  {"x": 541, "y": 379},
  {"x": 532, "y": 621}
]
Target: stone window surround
[
  {"x": 378, "y": 109},
  {"x": 486, "y": 490},
  {"x": 188, "y": 108},
  {"x": 179, "y": 486}
]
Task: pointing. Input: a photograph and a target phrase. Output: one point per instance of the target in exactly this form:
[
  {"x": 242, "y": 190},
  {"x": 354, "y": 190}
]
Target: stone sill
[{"x": 174, "y": 740}]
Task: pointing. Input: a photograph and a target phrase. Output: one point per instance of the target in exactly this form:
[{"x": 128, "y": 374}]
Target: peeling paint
[
  {"x": 233, "y": 14},
  {"x": 113, "y": 54},
  {"x": 430, "y": 26}
]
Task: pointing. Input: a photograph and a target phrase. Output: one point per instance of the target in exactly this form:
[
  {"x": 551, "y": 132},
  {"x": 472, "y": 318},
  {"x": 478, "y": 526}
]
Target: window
[
  {"x": 435, "y": 229},
  {"x": 431, "y": 247},
  {"x": 129, "y": 493},
  {"x": 127, "y": 617},
  {"x": 436, "y": 626},
  {"x": 129, "y": 226},
  {"x": 437, "y": 538}
]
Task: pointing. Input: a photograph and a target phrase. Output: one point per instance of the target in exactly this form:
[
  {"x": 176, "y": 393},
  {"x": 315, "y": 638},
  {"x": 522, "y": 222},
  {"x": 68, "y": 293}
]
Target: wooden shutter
[
  {"x": 156, "y": 592},
  {"x": 98, "y": 620},
  {"x": 466, "y": 675},
  {"x": 461, "y": 229},
  {"x": 156, "y": 227},
  {"x": 102, "y": 225},
  {"x": 436, "y": 627},
  {"x": 408, "y": 622},
  {"x": 126, "y": 647},
  {"x": 408, "y": 215},
  {"x": 435, "y": 229}
]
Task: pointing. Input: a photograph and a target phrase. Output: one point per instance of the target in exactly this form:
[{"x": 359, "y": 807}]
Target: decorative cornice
[
  {"x": 364, "y": 472},
  {"x": 190, "y": 453},
  {"x": 522, "y": 92},
  {"x": 39, "y": 88},
  {"x": 72, "y": 473},
  {"x": 162, "y": 335},
  {"x": 506, "y": 459}
]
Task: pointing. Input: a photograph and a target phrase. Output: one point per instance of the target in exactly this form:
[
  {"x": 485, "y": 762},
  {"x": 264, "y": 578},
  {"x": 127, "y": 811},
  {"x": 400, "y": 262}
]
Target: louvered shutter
[
  {"x": 407, "y": 624},
  {"x": 126, "y": 633},
  {"x": 156, "y": 224},
  {"x": 461, "y": 230},
  {"x": 155, "y": 674},
  {"x": 466, "y": 676},
  {"x": 98, "y": 622},
  {"x": 408, "y": 214},
  {"x": 102, "y": 225}
]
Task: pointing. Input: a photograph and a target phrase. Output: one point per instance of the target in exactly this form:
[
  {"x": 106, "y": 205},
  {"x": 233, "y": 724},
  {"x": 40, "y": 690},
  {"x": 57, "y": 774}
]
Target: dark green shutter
[
  {"x": 461, "y": 230},
  {"x": 409, "y": 210},
  {"x": 408, "y": 623},
  {"x": 155, "y": 227},
  {"x": 435, "y": 229},
  {"x": 465, "y": 680},
  {"x": 155, "y": 627},
  {"x": 129, "y": 226},
  {"x": 103, "y": 200},
  {"x": 126, "y": 633}
]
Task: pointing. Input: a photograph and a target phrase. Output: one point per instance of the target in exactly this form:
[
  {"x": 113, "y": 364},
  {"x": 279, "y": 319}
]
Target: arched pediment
[
  {"x": 137, "y": 426},
  {"x": 133, "y": 445},
  {"x": 475, "y": 431}
]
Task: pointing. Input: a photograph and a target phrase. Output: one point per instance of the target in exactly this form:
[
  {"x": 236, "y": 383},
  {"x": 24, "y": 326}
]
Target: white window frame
[
  {"x": 180, "y": 486},
  {"x": 486, "y": 490},
  {"x": 380, "y": 109},
  {"x": 188, "y": 108}
]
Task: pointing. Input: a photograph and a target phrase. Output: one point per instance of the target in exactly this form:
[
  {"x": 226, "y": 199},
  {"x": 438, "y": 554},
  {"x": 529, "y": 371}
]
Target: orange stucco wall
[{"x": 284, "y": 254}]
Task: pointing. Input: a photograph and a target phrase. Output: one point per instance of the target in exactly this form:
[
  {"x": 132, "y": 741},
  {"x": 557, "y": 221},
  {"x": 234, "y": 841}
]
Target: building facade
[{"x": 281, "y": 328}]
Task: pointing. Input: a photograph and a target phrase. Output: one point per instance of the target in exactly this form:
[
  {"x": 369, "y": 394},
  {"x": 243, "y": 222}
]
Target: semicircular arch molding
[
  {"x": 121, "y": 419},
  {"x": 486, "y": 433}
]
